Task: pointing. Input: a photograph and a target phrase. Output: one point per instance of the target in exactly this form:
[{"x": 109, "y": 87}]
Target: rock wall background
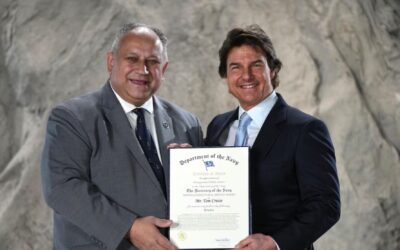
[{"x": 341, "y": 63}]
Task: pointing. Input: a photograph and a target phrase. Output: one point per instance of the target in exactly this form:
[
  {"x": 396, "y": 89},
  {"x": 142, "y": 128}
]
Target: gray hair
[{"x": 131, "y": 26}]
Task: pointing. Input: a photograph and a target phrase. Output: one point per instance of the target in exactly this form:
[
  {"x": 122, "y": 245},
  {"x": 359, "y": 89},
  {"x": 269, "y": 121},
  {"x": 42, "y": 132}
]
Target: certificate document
[{"x": 209, "y": 197}]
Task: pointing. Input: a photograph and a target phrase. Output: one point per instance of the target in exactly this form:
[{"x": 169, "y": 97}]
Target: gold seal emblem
[{"x": 182, "y": 236}]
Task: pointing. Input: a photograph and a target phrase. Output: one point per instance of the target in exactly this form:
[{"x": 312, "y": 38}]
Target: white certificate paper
[{"x": 209, "y": 197}]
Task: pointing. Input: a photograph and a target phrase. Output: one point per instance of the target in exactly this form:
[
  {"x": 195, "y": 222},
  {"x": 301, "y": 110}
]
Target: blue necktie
[
  {"x": 241, "y": 133},
  {"x": 149, "y": 148}
]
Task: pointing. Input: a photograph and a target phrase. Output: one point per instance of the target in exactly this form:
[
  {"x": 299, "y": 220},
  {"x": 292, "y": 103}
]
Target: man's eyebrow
[
  {"x": 257, "y": 61},
  {"x": 153, "y": 57},
  {"x": 233, "y": 64},
  {"x": 132, "y": 54}
]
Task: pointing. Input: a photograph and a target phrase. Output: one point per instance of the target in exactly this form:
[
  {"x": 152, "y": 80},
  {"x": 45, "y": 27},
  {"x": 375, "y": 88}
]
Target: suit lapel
[
  {"x": 164, "y": 128},
  {"x": 270, "y": 130},
  {"x": 116, "y": 120},
  {"x": 165, "y": 134},
  {"x": 220, "y": 136}
]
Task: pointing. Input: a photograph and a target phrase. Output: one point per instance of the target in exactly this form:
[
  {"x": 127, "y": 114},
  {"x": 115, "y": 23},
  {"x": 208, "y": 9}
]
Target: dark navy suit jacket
[{"x": 294, "y": 184}]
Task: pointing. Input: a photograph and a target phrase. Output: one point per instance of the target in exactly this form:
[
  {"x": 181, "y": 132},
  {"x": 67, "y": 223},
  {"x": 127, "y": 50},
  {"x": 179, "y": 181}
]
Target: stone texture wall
[{"x": 341, "y": 63}]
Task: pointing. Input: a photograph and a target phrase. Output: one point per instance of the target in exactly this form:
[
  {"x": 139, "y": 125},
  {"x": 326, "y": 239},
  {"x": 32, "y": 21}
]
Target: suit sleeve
[
  {"x": 199, "y": 134},
  {"x": 210, "y": 131},
  {"x": 319, "y": 189},
  {"x": 67, "y": 185}
]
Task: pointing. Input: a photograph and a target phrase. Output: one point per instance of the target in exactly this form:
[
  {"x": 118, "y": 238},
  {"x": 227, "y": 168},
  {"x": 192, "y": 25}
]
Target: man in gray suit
[{"x": 96, "y": 174}]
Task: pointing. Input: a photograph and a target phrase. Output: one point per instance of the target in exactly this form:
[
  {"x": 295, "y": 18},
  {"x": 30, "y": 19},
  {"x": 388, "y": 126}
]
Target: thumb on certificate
[
  {"x": 162, "y": 223},
  {"x": 177, "y": 145}
]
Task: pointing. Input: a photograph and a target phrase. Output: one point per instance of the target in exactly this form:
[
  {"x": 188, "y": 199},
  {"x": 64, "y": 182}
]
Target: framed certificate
[{"x": 209, "y": 197}]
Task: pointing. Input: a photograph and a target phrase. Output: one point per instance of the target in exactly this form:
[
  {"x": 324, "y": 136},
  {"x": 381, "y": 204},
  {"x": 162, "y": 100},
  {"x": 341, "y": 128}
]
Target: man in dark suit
[
  {"x": 105, "y": 161},
  {"x": 294, "y": 185}
]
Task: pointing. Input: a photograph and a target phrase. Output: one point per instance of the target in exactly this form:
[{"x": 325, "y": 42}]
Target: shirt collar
[
  {"x": 260, "y": 112},
  {"x": 128, "y": 107}
]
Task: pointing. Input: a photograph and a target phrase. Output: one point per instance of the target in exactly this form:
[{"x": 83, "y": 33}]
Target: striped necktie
[{"x": 149, "y": 148}]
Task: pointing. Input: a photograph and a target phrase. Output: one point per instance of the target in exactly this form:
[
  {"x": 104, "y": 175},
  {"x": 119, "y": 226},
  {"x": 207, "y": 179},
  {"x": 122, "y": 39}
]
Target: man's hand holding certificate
[{"x": 209, "y": 196}]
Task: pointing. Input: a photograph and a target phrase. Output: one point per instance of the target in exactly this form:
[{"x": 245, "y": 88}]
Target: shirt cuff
[{"x": 276, "y": 244}]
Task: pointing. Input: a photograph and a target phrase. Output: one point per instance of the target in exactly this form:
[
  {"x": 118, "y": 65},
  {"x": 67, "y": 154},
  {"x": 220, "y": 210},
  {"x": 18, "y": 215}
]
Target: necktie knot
[
  {"x": 241, "y": 133},
  {"x": 141, "y": 129},
  {"x": 139, "y": 111},
  {"x": 245, "y": 120}
]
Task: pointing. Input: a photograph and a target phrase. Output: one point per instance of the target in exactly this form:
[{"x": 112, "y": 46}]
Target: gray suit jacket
[{"x": 94, "y": 174}]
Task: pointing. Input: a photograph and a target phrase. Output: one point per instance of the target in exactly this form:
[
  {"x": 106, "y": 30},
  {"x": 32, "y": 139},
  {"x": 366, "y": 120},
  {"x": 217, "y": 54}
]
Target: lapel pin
[{"x": 165, "y": 125}]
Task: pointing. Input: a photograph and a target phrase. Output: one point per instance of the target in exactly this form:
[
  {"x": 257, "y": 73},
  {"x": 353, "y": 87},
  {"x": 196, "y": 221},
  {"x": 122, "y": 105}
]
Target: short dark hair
[
  {"x": 255, "y": 37},
  {"x": 131, "y": 26}
]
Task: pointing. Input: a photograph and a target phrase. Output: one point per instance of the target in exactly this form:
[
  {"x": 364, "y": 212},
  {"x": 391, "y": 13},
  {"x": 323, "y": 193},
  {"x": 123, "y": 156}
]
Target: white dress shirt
[
  {"x": 258, "y": 114},
  {"x": 148, "y": 116}
]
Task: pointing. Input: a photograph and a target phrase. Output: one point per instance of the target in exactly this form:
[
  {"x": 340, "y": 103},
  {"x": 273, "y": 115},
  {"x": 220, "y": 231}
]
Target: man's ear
[
  {"x": 110, "y": 61},
  {"x": 164, "y": 68},
  {"x": 273, "y": 74}
]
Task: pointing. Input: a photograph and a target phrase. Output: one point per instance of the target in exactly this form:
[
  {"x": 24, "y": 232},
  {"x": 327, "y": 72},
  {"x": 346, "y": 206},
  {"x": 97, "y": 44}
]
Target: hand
[
  {"x": 258, "y": 242},
  {"x": 176, "y": 145},
  {"x": 144, "y": 233}
]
